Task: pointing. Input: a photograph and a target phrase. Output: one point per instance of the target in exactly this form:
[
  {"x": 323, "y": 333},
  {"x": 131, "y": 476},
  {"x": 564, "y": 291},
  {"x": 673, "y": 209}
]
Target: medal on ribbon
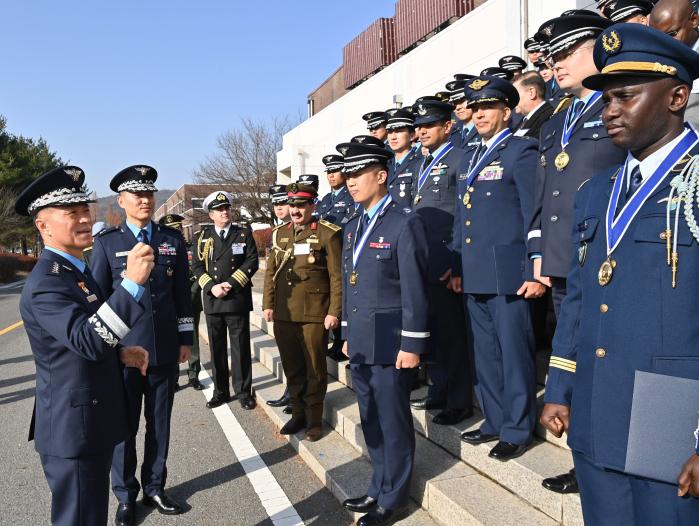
[
  {"x": 426, "y": 171},
  {"x": 563, "y": 159},
  {"x": 473, "y": 170},
  {"x": 359, "y": 243}
]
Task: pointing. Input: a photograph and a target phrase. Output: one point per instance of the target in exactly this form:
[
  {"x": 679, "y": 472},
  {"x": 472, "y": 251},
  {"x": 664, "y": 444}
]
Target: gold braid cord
[{"x": 203, "y": 255}]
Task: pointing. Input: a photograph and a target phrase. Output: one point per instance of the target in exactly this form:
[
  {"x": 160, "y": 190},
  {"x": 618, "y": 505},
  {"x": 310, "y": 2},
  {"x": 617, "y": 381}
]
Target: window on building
[{"x": 197, "y": 202}]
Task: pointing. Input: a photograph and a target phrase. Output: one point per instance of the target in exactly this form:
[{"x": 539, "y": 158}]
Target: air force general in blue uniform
[
  {"x": 76, "y": 336},
  {"x": 631, "y": 305},
  {"x": 384, "y": 311},
  {"x": 165, "y": 326},
  {"x": 494, "y": 203}
]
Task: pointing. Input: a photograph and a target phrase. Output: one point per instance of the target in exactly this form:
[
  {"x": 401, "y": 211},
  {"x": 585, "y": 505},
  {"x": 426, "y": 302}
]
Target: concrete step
[
  {"x": 339, "y": 372},
  {"x": 519, "y": 478},
  {"x": 448, "y": 491}
]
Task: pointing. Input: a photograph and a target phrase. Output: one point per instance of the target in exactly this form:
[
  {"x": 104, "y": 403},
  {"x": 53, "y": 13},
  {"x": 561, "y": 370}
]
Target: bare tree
[
  {"x": 15, "y": 228},
  {"x": 247, "y": 159}
]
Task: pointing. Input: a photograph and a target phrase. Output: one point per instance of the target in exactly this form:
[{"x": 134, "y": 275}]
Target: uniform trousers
[
  {"x": 611, "y": 498},
  {"x": 451, "y": 374},
  {"x": 558, "y": 294},
  {"x": 194, "y": 360},
  {"x": 383, "y": 396},
  {"x": 220, "y": 326},
  {"x": 303, "y": 349},
  {"x": 155, "y": 392},
  {"x": 79, "y": 489},
  {"x": 502, "y": 339}
]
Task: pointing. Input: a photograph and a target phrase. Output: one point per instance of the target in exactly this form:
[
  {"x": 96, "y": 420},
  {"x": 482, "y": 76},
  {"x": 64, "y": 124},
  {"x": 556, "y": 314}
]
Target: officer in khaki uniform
[{"x": 303, "y": 295}]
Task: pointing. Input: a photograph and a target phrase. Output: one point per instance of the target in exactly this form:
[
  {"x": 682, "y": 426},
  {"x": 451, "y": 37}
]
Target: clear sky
[{"x": 114, "y": 83}]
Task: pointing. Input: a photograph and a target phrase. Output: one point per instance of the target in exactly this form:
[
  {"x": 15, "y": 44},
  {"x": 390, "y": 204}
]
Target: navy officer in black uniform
[
  {"x": 385, "y": 320},
  {"x": 632, "y": 285},
  {"x": 76, "y": 334},
  {"x": 224, "y": 263},
  {"x": 493, "y": 208},
  {"x": 434, "y": 193},
  {"x": 405, "y": 164},
  {"x": 165, "y": 330}
]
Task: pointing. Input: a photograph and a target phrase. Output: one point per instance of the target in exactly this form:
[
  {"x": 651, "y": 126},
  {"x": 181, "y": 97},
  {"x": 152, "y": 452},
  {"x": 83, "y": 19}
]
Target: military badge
[
  {"x": 611, "y": 43},
  {"x": 421, "y": 109},
  {"x": 170, "y": 272},
  {"x": 74, "y": 173},
  {"x": 84, "y": 288},
  {"x": 542, "y": 161},
  {"x": 582, "y": 254},
  {"x": 478, "y": 84},
  {"x": 220, "y": 197},
  {"x": 343, "y": 150},
  {"x": 143, "y": 170}
]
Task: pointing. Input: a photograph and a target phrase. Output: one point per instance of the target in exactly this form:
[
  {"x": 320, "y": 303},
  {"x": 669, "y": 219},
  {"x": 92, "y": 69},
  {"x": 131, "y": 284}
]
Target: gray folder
[{"x": 664, "y": 417}]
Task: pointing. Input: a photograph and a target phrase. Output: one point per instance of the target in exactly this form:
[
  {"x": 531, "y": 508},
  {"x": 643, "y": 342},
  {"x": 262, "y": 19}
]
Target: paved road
[{"x": 203, "y": 471}]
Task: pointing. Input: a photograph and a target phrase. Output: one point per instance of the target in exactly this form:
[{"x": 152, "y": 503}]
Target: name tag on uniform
[
  {"x": 302, "y": 249},
  {"x": 122, "y": 254},
  {"x": 238, "y": 248},
  {"x": 491, "y": 173},
  {"x": 593, "y": 124}
]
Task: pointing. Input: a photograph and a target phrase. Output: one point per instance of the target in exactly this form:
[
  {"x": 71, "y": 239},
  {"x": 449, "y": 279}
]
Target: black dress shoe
[
  {"x": 287, "y": 410},
  {"x": 163, "y": 503},
  {"x": 360, "y": 504},
  {"x": 293, "y": 426},
  {"x": 449, "y": 417},
  {"x": 382, "y": 517},
  {"x": 566, "y": 483},
  {"x": 125, "y": 514},
  {"x": 338, "y": 356},
  {"x": 217, "y": 401},
  {"x": 427, "y": 403},
  {"x": 248, "y": 403},
  {"x": 477, "y": 437},
  {"x": 280, "y": 402},
  {"x": 196, "y": 384},
  {"x": 507, "y": 451}
]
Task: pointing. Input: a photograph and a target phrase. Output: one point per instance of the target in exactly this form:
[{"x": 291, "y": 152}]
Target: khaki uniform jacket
[{"x": 303, "y": 280}]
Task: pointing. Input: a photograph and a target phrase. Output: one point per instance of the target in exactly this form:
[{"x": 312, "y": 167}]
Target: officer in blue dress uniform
[
  {"x": 337, "y": 204},
  {"x": 407, "y": 157},
  {"x": 463, "y": 133},
  {"x": 376, "y": 124},
  {"x": 508, "y": 75},
  {"x": 633, "y": 282},
  {"x": 76, "y": 335},
  {"x": 385, "y": 322},
  {"x": 434, "y": 192},
  {"x": 494, "y": 201},
  {"x": 631, "y": 11},
  {"x": 165, "y": 330},
  {"x": 573, "y": 146}
]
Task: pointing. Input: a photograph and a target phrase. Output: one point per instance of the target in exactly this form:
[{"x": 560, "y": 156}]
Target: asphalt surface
[{"x": 203, "y": 472}]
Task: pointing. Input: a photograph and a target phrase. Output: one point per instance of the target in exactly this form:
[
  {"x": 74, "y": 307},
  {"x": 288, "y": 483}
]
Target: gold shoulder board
[{"x": 329, "y": 225}]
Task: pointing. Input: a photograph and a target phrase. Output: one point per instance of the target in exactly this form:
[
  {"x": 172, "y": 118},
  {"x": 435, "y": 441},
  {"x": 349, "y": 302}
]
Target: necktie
[
  {"x": 222, "y": 235},
  {"x": 479, "y": 153},
  {"x": 427, "y": 161},
  {"x": 143, "y": 237},
  {"x": 634, "y": 182},
  {"x": 362, "y": 225},
  {"x": 577, "y": 108}
]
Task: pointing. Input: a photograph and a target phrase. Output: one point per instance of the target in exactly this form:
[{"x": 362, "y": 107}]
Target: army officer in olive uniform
[
  {"x": 303, "y": 295},
  {"x": 224, "y": 264}
]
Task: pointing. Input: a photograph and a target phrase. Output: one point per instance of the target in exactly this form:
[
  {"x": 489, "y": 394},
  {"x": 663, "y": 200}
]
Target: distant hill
[{"x": 103, "y": 206}]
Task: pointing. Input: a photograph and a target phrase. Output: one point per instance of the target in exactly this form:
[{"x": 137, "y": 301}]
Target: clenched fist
[
  {"x": 139, "y": 263},
  {"x": 134, "y": 357}
]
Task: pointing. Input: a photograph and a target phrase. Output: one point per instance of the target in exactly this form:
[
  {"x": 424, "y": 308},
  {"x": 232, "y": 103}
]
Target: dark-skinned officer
[
  {"x": 631, "y": 302},
  {"x": 434, "y": 193},
  {"x": 385, "y": 322},
  {"x": 225, "y": 260},
  {"x": 492, "y": 268},
  {"x": 75, "y": 333},
  {"x": 165, "y": 331}
]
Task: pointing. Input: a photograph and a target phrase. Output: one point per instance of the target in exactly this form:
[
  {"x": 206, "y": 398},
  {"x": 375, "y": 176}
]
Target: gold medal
[
  {"x": 562, "y": 160},
  {"x": 606, "y": 271},
  {"x": 311, "y": 258},
  {"x": 467, "y": 199},
  {"x": 353, "y": 278},
  {"x": 417, "y": 199}
]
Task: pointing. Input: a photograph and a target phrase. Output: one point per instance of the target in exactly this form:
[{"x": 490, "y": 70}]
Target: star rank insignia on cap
[
  {"x": 611, "y": 42},
  {"x": 478, "y": 84}
]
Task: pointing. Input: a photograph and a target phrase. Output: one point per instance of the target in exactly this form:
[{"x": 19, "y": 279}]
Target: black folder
[{"x": 664, "y": 417}]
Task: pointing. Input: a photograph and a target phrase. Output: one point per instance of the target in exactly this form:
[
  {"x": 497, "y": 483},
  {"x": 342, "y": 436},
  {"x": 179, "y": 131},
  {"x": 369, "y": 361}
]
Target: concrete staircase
[{"x": 453, "y": 483}]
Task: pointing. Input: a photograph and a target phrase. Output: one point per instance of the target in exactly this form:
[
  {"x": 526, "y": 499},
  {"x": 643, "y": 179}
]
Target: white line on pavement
[{"x": 271, "y": 495}]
